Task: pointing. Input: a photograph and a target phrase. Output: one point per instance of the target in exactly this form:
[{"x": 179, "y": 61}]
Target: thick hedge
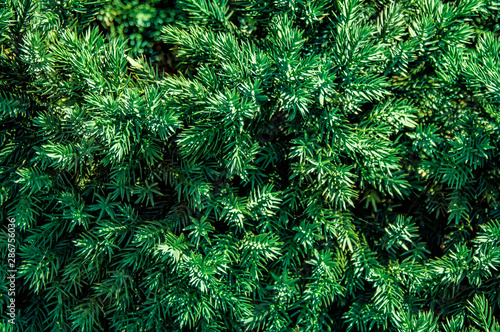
[{"x": 311, "y": 166}]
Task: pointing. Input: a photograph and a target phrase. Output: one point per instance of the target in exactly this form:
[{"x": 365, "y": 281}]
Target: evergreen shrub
[{"x": 310, "y": 166}]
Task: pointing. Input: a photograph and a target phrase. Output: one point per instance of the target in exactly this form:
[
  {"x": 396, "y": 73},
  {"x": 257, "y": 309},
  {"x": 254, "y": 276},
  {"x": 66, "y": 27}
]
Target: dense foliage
[
  {"x": 311, "y": 166},
  {"x": 140, "y": 24}
]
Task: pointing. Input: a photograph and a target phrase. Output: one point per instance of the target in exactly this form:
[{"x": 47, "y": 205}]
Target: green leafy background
[{"x": 251, "y": 165}]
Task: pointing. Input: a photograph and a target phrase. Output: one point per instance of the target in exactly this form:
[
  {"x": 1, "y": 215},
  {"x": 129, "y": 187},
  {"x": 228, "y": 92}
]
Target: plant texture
[{"x": 311, "y": 166}]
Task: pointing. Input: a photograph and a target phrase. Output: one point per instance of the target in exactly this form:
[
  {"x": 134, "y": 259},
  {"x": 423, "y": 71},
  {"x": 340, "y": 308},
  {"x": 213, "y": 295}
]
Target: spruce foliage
[{"x": 312, "y": 166}]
